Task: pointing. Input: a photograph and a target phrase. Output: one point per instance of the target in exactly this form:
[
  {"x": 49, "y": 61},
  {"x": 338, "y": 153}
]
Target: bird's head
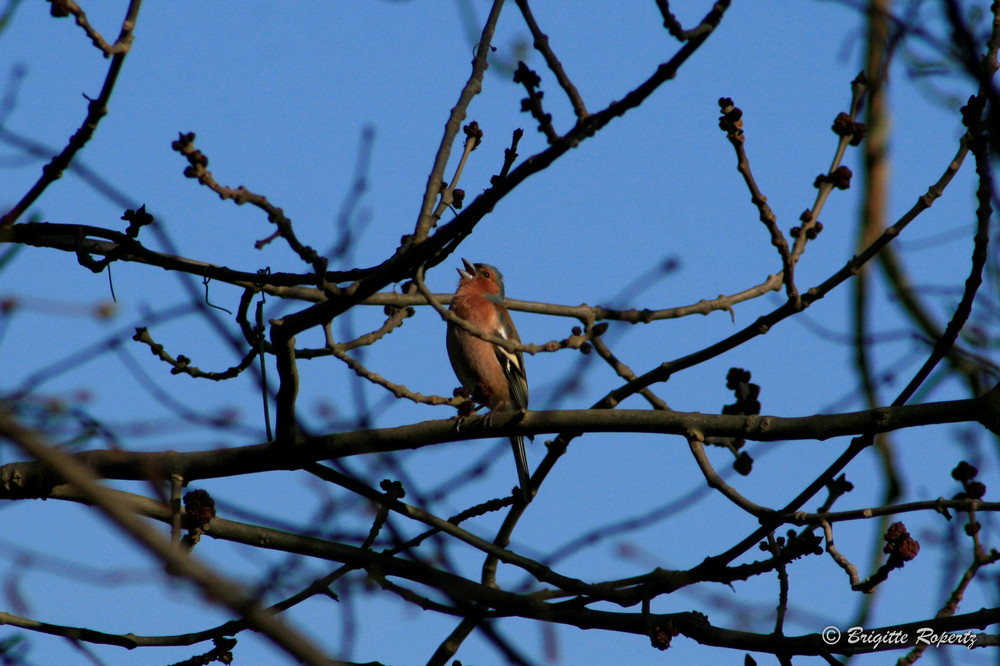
[{"x": 483, "y": 277}]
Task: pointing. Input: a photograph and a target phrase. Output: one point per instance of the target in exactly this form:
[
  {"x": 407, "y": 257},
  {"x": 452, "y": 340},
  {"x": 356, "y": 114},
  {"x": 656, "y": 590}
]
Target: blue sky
[{"x": 279, "y": 97}]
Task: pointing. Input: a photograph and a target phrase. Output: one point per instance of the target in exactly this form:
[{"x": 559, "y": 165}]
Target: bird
[{"x": 493, "y": 376}]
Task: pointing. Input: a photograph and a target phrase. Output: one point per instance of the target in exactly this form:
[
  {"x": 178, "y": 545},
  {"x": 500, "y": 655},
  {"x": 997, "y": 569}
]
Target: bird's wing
[{"x": 512, "y": 362}]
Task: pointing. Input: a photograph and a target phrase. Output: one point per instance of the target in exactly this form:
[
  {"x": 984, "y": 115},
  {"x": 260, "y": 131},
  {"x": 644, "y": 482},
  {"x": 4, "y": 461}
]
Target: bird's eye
[{"x": 486, "y": 274}]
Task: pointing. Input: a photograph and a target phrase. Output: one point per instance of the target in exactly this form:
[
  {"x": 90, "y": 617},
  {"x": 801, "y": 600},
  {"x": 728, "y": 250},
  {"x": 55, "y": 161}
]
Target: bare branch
[
  {"x": 732, "y": 123},
  {"x": 182, "y": 364},
  {"x": 435, "y": 180},
  {"x": 96, "y": 110},
  {"x": 542, "y": 44},
  {"x": 61, "y": 8},
  {"x": 210, "y": 582},
  {"x": 197, "y": 162},
  {"x": 23, "y": 479}
]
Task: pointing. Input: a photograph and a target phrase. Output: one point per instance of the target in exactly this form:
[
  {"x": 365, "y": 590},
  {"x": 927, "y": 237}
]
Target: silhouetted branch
[{"x": 96, "y": 110}]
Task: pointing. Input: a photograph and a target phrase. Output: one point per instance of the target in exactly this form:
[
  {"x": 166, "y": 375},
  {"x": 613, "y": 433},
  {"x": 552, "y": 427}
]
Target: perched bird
[{"x": 492, "y": 375}]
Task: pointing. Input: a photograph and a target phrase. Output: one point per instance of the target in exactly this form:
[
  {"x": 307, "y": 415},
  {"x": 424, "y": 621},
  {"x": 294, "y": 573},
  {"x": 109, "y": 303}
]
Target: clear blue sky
[{"x": 279, "y": 96}]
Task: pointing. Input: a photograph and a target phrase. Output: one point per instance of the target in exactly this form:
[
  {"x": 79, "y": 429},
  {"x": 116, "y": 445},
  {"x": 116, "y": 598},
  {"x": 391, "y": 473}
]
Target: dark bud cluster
[
  {"x": 844, "y": 125},
  {"x": 965, "y": 474},
  {"x": 136, "y": 220},
  {"x": 972, "y": 113},
  {"x": 738, "y": 381},
  {"x": 811, "y": 233},
  {"x": 200, "y": 506},
  {"x": 840, "y": 486},
  {"x": 975, "y": 489},
  {"x": 467, "y": 407},
  {"x": 731, "y": 120},
  {"x": 533, "y": 102},
  {"x": 180, "y": 364},
  {"x": 392, "y": 488},
  {"x": 183, "y": 142},
  {"x": 660, "y": 637},
  {"x": 472, "y": 130},
  {"x": 408, "y": 311},
  {"x": 793, "y": 546},
  {"x": 735, "y": 377},
  {"x": 197, "y": 160},
  {"x": 840, "y": 178},
  {"x": 59, "y": 8},
  {"x": 743, "y": 464},
  {"x": 523, "y": 74},
  {"x": 899, "y": 544}
]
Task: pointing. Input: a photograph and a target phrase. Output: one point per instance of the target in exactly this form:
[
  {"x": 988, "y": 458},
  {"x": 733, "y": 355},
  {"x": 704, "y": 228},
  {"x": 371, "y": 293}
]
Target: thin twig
[
  {"x": 509, "y": 157},
  {"x": 675, "y": 28},
  {"x": 779, "y": 621},
  {"x": 67, "y": 237},
  {"x": 764, "y": 323},
  {"x": 473, "y": 136},
  {"x": 979, "y": 144},
  {"x": 182, "y": 364},
  {"x": 841, "y": 560},
  {"x": 96, "y": 110},
  {"x": 197, "y": 163},
  {"x": 398, "y": 390},
  {"x": 695, "y": 443},
  {"x": 825, "y": 183},
  {"x": 435, "y": 180},
  {"x": 540, "y": 572},
  {"x": 541, "y": 43},
  {"x": 176, "y": 486},
  {"x": 121, "y": 45},
  {"x": 732, "y": 123}
]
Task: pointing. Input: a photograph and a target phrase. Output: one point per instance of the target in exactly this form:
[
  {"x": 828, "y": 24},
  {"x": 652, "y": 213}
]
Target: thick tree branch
[{"x": 29, "y": 479}]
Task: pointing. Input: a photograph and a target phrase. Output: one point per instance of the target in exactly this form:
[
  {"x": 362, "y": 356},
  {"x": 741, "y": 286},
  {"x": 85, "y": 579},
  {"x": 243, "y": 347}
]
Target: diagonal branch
[
  {"x": 765, "y": 322},
  {"x": 197, "y": 161},
  {"x": 213, "y": 584},
  {"x": 96, "y": 110},
  {"x": 62, "y": 8},
  {"x": 678, "y": 32},
  {"x": 435, "y": 248},
  {"x": 542, "y": 45},
  {"x": 435, "y": 181},
  {"x": 732, "y": 123}
]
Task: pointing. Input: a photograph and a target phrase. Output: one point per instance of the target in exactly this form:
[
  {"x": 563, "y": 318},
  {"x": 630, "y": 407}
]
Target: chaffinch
[{"x": 492, "y": 375}]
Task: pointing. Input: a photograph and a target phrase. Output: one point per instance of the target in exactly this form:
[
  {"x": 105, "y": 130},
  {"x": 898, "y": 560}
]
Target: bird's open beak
[{"x": 470, "y": 269}]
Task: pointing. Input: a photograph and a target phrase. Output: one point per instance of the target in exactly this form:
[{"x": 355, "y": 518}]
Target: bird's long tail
[{"x": 521, "y": 459}]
